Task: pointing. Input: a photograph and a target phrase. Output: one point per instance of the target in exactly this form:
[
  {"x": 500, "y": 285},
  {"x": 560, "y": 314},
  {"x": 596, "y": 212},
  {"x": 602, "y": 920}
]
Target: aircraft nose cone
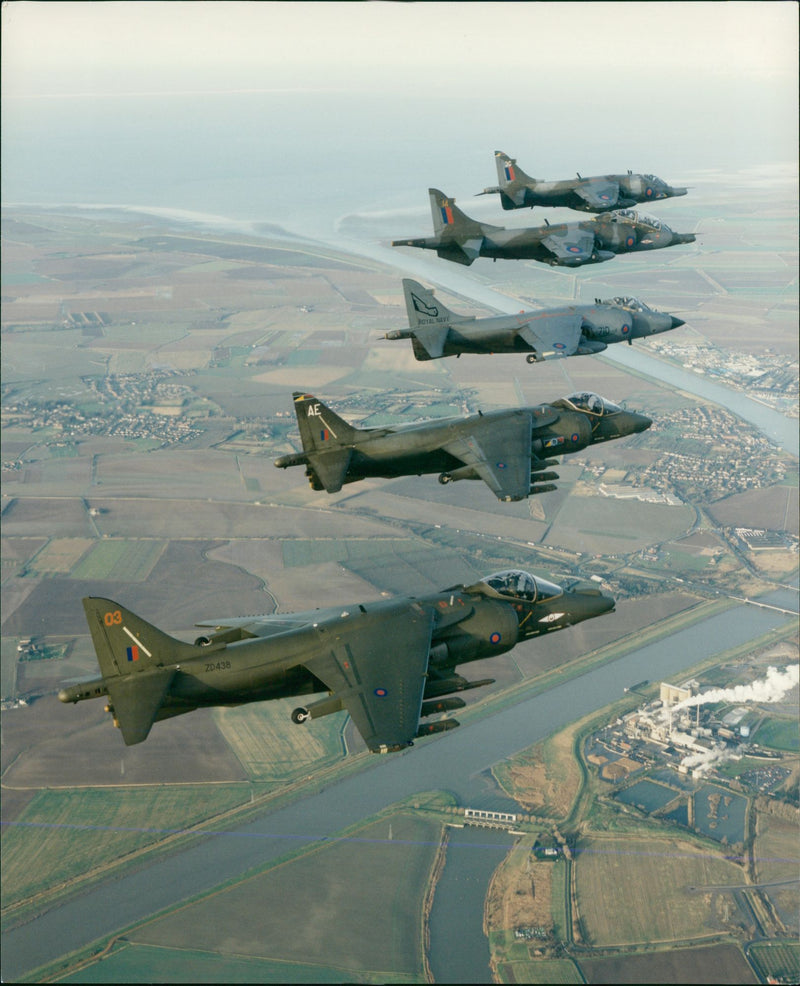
[
  {"x": 606, "y": 604},
  {"x": 683, "y": 237},
  {"x": 619, "y": 425},
  {"x": 679, "y": 191},
  {"x": 676, "y": 322},
  {"x": 588, "y": 603}
]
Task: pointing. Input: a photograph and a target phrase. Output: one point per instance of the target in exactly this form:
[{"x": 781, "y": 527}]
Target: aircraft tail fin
[
  {"x": 508, "y": 171},
  {"x": 327, "y": 441},
  {"x": 320, "y": 428},
  {"x": 138, "y": 662},
  {"x": 447, "y": 217},
  {"x": 422, "y": 306}
]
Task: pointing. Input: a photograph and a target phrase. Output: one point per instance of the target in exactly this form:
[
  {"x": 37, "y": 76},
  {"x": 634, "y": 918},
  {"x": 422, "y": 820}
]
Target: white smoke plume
[
  {"x": 704, "y": 761},
  {"x": 778, "y": 683}
]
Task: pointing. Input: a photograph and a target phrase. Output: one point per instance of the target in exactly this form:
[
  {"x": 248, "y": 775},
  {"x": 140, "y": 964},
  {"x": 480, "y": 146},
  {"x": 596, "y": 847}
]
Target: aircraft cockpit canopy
[
  {"x": 516, "y": 584},
  {"x": 653, "y": 180},
  {"x": 630, "y": 303},
  {"x": 593, "y": 403},
  {"x": 638, "y": 217}
]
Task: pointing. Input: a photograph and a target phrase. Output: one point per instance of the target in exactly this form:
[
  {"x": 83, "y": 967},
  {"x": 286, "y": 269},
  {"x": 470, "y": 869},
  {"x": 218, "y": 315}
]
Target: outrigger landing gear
[
  {"x": 531, "y": 358},
  {"x": 300, "y": 715}
]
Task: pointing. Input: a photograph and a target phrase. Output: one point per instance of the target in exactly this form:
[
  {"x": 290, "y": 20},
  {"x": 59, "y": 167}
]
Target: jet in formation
[
  {"x": 510, "y": 449},
  {"x": 574, "y": 330},
  {"x": 462, "y": 240},
  {"x": 598, "y": 194},
  {"x": 390, "y": 664}
]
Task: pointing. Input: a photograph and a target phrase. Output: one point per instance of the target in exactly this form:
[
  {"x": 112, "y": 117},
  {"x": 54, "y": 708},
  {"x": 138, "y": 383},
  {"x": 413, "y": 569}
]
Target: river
[{"x": 456, "y": 761}]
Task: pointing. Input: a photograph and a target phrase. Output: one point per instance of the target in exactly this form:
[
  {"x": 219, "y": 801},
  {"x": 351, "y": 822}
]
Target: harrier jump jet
[
  {"x": 509, "y": 449},
  {"x": 598, "y": 194},
  {"x": 388, "y": 663},
  {"x": 574, "y": 330},
  {"x": 587, "y": 241}
]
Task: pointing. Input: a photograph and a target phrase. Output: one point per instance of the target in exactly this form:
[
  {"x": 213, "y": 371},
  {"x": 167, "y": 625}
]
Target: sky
[
  {"x": 77, "y": 47},
  {"x": 222, "y": 106}
]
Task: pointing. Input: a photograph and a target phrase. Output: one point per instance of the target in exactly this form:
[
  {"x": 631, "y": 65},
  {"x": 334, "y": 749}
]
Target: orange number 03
[{"x": 110, "y": 619}]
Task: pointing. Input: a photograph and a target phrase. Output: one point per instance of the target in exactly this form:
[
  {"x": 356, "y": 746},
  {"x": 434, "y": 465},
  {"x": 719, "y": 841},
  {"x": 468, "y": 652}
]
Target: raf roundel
[
  {"x": 574, "y": 249},
  {"x": 630, "y": 241},
  {"x": 381, "y": 692},
  {"x": 626, "y": 329},
  {"x": 575, "y": 436},
  {"x": 559, "y": 345},
  {"x": 495, "y": 638}
]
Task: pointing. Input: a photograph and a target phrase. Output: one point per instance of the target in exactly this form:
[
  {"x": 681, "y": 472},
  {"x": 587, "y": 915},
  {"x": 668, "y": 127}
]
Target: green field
[
  {"x": 780, "y": 734},
  {"x": 526, "y": 970},
  {"x": 271, "y": 747},
  {"x": 781, "y": 960},
  {"x": 123, "y": 560},
  {"x": 62, "y": 835},
  {"x": 130, "y": 963}
]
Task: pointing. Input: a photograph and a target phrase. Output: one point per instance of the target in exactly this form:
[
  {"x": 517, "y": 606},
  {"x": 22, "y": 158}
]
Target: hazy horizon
[{"x": 267, "y": 110}]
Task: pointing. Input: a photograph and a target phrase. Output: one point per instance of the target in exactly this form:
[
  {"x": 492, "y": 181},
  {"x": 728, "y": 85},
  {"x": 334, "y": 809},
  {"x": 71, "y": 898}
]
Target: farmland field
[
  {"x": 597, "y": 524},
  {"x": 132, "y": 963},
  {"x": 59, "y": 555},
  {"x": 721, "y": 964},
  {"x": 128, "y": 561},
  {"x": 634, "y": 891},
  {"x": 777, "y": 852},
  {"x": 271, "y": 747},
  {"x": 359, "y": 908},
  {"x": 63, "y": 835},
  {"x": 780, "y": 960},
  {"x": 780, "y": 734}
]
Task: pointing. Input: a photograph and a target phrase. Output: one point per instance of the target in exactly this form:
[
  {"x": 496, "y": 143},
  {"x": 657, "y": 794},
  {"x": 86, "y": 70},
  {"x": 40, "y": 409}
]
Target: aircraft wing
[
  {"x": 256, "y": 626},
  {"x": 573, "y": 248},
  {"x": 500, "y": 453},
  {"x": 599, "y": 194},
  {"x": 377, "y": 667},
  {"x": 553, "y": 335}
]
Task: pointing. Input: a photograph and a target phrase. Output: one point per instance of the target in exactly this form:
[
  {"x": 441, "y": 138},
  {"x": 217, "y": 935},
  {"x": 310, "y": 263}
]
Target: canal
[{"x": 457, "y": 761}]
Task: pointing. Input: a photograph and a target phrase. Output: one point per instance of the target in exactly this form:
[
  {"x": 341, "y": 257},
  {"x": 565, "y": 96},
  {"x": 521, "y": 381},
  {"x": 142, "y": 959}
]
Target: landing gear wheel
[
  {"x": 444, "y": 478},
  {"x": 531, "y": 358},
  {"x": 300, "y": 715}
]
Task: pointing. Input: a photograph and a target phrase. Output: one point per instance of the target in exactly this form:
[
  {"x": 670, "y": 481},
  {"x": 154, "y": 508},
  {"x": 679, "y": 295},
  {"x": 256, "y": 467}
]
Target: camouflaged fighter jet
[
  {"x": 587, "y": 241},
  {"x": 509, "y": 449},
  {"x": 574, "y": 330},
  {"x": 599, "y": 194},
  {"x": 388, "y": 663}
]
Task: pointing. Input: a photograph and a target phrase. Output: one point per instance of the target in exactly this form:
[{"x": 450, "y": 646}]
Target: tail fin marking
[
  {"x": 508, "y": 170},
  {"x": 422, "y": 306},
  {"x": 447, "y": 216}
]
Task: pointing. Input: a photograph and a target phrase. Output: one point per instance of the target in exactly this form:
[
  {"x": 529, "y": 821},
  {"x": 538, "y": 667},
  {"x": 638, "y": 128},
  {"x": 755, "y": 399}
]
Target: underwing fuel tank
[
  {"x": 437, "y": 727},
  {"x": 447, "y": 686},
  {"x": 441, "y": 705}
]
